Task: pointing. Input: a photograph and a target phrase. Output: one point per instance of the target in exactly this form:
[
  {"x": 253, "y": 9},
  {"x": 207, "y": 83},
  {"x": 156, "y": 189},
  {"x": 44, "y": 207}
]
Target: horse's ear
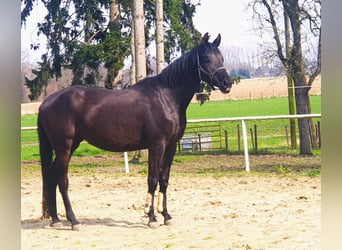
[
  {"x": 205, "y": 38},
  {"x": 217, "y": 41}
]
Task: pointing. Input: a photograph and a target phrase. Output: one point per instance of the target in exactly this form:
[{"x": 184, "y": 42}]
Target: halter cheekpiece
[{"x": 209, "y": 74}]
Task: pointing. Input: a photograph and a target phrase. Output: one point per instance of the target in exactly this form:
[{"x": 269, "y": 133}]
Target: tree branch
[
  {"x": 92, "y": 37},
  {"x": 276, "y": 33},
  {"x": 318, "y": 67}
]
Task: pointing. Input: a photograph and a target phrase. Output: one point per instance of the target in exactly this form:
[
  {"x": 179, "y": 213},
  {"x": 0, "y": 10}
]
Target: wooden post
[
  {"x": 287, "y": 136},
  {"x": 226, "y": 139},
  {"x": 238, "y": 133},
  {"x": 252, "y": 138},
  {"x": 220, "y": 135},
  {"x": 255, "y": 137},
  {"x": 319, "y": 133}
]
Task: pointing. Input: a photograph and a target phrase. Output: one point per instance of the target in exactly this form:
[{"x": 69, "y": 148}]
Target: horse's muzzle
[
  {"x": 225, "y": 86},
  {"x": 225, "y": 90}
]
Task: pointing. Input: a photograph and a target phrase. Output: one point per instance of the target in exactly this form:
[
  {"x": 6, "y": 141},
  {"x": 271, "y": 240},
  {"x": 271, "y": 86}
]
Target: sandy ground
[{"x": 243, "y": 212}]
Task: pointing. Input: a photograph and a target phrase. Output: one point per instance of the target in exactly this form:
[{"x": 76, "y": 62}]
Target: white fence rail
[{"x": 244, "y": 130}]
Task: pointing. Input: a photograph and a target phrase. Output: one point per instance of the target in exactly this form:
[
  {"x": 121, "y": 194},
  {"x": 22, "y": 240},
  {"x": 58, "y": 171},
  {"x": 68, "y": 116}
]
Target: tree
[
  {"x": 300, "y": 14},
  {"x": 82, "y": 38},
  {"x": 139, "y": 40},
  {"x": 114, "y": 62},
  {"x": 290, "y": 84},
  {"x": 139, "y": 51},
  {"x": 79, "y": 37},
  {"x": 159, "y": 36}
]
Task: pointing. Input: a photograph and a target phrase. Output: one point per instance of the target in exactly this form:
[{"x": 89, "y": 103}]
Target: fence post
[
  {"x": 220, "y": 134},
  {"x": 287, "y": 136},
  {"x": 199, "y": 142},
  {"x": 319, "y": 133},
  {"x": 252, "y": 137},
  {"x": 226, "y": 139},
  {"x": 238, "y": 133},
  {"x": 126, "y": 162},
  {"x": 256, "y": 137},
  {"x": 245, "y": 144}
]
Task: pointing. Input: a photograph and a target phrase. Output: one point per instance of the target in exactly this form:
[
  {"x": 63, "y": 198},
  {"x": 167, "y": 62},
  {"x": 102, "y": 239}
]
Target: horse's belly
[{"x": 117, "y": 144}]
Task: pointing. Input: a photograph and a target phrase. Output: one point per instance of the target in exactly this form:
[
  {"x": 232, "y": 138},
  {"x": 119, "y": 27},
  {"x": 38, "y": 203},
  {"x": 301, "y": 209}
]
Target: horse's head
[{"x": 210, "y": 65}]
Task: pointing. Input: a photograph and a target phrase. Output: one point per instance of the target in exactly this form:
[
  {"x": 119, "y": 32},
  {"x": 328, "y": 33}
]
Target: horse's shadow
[{"x": 32, "y": 224}]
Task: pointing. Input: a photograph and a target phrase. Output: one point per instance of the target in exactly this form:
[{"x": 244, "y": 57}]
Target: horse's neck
[
  {"x": 184, "y": 91},
  {"x": 183, "y": 79}
]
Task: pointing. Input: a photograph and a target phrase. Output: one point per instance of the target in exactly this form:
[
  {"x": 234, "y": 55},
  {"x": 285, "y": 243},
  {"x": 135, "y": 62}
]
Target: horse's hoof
[
  {"x": 76, "y": 227},
  {"x": 153, "y": 224},
  {"x": 56, "y": 224},
  {"x": 168, "y": 222}
]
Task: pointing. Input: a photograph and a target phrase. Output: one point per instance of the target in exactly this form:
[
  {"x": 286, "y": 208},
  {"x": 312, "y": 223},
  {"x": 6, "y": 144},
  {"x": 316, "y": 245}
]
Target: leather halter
[{"x": 209, "y": 74}]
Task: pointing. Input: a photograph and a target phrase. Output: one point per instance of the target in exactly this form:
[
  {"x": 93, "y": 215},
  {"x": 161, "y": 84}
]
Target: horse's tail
[{"x": 45, "y": 150}]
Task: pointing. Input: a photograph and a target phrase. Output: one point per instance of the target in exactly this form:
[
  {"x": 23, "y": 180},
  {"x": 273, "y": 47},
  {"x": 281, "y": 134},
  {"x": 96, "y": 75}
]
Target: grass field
[
  {"x": 238, "y": 108},
  {"x": 271, "y": 133}
]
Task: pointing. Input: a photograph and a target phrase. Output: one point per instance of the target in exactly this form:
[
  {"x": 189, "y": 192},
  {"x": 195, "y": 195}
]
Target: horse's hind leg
[
  {"x": 51, "y": 194},
  {"x": 61, "y": 174},
  {"x": 63, "y": 185}
]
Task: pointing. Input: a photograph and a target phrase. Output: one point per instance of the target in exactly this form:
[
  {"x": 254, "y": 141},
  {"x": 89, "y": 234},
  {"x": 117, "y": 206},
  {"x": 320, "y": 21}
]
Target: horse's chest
[{"x": 174, "y": 125}]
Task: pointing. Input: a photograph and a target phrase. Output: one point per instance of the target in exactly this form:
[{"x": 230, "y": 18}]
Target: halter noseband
[{"x": 209, "y": 74}]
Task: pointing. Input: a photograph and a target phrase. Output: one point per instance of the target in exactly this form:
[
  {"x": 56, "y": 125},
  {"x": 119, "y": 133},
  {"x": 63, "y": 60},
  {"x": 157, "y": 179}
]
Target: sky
[{"x": 229, "y": 18}]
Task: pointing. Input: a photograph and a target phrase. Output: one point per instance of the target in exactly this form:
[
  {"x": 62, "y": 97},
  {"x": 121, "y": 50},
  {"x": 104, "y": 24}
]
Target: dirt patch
[
  {"x": 238, "y": 211},
  {"x": 261, "y": 88}
]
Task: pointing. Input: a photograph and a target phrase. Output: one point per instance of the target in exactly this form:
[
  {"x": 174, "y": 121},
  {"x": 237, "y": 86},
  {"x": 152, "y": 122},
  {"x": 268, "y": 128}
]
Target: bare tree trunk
[
  {"x": 139, "y": 38},
  {"x": 114, "y": 13},
  {"x": 290, "y": 83},
  {"x": 303, "y": 124},
  {"x": 314, "y": 141},
  {"x": 114, "y": 23},
  {"x": 301, "y": 92},
  {"x": 140, "y": 54},
  {"x": 132, "y": 72},
  {"x": 159, "y": 36}
]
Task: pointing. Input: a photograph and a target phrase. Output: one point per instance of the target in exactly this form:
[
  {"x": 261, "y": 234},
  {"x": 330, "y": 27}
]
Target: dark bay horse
[{"x": 149, "y": 115}]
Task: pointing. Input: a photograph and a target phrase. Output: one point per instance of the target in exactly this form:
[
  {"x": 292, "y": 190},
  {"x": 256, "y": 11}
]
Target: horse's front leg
[
  {"x": 155, "y": 157},
  {"x": 162, "y": 198},
  {"x": 164, "y": 182},
  {"x": 149, "y": 203}
]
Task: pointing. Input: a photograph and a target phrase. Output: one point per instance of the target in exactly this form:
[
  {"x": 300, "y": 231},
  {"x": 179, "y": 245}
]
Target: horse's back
[{"x": 65, "y": 99}]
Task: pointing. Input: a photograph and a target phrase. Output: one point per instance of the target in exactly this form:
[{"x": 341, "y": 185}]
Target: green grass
[
  {"x": 271, "y": 133},
  {"x": 238, "y": 108}
]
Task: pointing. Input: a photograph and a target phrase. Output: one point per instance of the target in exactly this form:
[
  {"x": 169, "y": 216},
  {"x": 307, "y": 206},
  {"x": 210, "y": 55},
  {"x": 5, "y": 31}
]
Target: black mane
[{"x": 174, "y": 72}]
